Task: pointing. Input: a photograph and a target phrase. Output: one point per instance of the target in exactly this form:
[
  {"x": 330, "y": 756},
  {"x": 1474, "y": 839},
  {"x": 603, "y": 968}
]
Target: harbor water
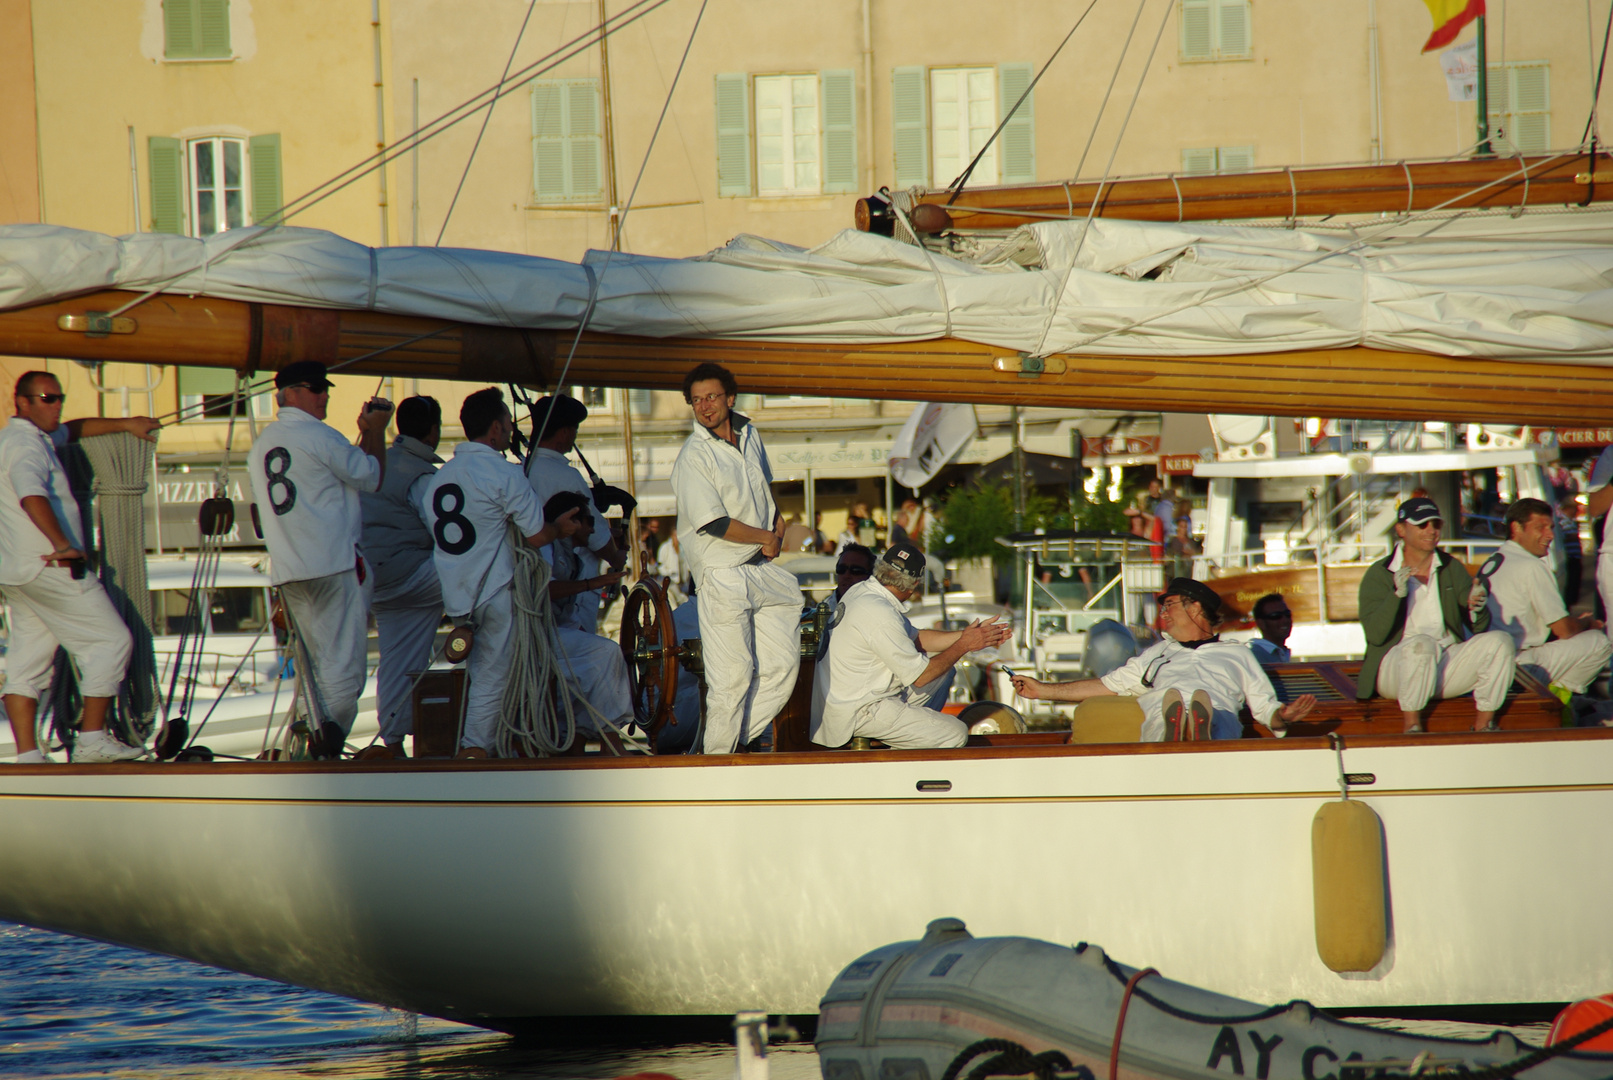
[{"x": 74, "y": 1008}]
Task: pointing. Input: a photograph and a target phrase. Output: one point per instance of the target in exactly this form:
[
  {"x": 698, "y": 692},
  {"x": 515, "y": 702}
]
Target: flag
[
  {"x": 1449, "y": 18},
  {"x": 932, "y": 437},
  {"x": 1461, "y": 66}
]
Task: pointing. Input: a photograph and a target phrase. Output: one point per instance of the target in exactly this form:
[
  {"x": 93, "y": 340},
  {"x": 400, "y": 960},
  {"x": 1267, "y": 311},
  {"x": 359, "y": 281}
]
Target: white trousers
[
  {"x": 1604, "y": 583},
  {"x": 1419, "y": 669},
  {"x": 1569, "y": 662},
  {"x": 488, "y": 671},
  {"x": 598, "y": 674},
  {"x": 53, "y": 609},
  {"x": 587, "y": 604},
  {"x": 750, "y": 642},
  {"x": 407, "y": 615},
  {"x": 908, "y": 727},
  {"x": 332, "y": 615}
]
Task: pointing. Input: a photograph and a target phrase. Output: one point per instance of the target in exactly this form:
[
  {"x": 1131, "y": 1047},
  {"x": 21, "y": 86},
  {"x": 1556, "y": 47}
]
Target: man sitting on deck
[
  {"x": 1525, "y": 602},
  {"x": 1275, "y": 622},
  {"x": 881, "y": 668},
  {"x": 1192, "y": 684},
  {"x": 1427, "y": 626}
]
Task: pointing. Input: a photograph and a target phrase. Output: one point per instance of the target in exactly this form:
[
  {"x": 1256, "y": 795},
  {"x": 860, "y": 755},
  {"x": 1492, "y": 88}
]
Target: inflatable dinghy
[{"x": 953, "y": 1005}]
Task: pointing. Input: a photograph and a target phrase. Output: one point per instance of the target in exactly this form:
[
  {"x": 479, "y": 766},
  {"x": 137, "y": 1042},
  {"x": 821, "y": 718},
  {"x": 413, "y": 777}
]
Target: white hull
[{"x": 703, "y": 886}]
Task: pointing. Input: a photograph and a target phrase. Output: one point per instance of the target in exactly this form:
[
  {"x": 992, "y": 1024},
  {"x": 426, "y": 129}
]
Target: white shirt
[
  {"x": 714, "y": 479},
  {"x": 466, "y": 507},
  {"x": 1601, "y": 476},
  {"x": 1424, "y": 615},
  {"x": 565, "y": 564},
  {"x": 1524, "y": 600},
  {"x": 873, "y": 656},
  {"x": 1269, "y": 652},
  {"x": 666, "y": 558},
  {"x": 550, "y": 474},
  {"x": 305, "y": 480},
  {"x": 29, "y": 466},
  {"x": 1226, "y": 670}
]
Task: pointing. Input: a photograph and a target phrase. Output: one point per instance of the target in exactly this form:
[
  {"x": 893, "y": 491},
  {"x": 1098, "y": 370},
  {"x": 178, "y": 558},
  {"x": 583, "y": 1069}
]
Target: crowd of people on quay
[{"x": 357, "y": 530}]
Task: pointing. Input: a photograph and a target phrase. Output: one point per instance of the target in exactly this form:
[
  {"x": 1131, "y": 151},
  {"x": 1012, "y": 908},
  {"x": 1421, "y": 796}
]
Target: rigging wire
[
  {"x": 1591, "y": 131},
  {"x": 1113, "y": 78},
  {"x": 956, "y": 187},
  {"x": 486, "y": 117}
]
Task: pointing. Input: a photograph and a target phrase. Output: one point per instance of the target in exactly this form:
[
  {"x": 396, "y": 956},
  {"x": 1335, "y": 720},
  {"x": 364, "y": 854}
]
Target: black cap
[
  {"x": 1196, "y": 591},
  {"x": 568, "y": 412},
  {"x": 905, "y": 557},
  {"x": 309, "y": 373},
  {"x": 1418, "y": 510}
]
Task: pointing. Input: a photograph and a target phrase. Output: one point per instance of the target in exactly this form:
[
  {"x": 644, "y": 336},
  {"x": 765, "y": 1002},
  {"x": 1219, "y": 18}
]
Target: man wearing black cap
[
  {"x": 881, "y": 668},
  {"x": 1190, "y": 685},
  {"x": 1427, "y": 626},
  {"x": 551, "y": 473},
  {"x": 306, "y": 479}
]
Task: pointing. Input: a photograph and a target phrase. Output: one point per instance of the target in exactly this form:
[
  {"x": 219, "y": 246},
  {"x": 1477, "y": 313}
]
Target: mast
[
  {"x": 1483, "y": 149},
  {"x": 613, "y": 211}
]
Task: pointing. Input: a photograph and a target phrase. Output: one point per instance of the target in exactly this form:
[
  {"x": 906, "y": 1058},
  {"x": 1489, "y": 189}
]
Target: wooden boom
[
  {"x": 1278, "y": 193},
  {"x": 1353, "y": 382}
]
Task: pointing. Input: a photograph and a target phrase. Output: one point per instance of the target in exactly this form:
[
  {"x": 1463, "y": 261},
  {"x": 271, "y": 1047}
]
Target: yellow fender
[{"x": 1352, "y": 901}]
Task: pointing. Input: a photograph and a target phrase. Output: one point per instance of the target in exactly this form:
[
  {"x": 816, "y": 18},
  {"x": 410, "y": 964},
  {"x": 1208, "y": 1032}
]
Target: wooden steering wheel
[{"x": 651, "y": 648}]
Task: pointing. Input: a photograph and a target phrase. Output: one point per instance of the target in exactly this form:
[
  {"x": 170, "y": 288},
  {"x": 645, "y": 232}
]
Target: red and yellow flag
[{"x": 1449, "y": 18}]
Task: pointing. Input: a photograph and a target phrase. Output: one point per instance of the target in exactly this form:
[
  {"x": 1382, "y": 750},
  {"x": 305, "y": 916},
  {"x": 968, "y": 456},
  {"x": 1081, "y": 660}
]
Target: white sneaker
[
  {"x": 95, "y": 747},
  {"x": 35, "y": 757}
]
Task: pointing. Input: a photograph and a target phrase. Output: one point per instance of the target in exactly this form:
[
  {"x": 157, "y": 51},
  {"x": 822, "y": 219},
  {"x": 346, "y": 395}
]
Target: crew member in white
[
  {"x": 595, "y": 663},
  {"x": 883, "y": 672},
  {"x": 397, "y": 545},
  {"x": 467, "y": 506},
  {"x": 1599, "y": 500},
  {"x": 306, "y": 481},
  {"x": 1219, "y": 677},
  {"x": 730, "y": 529},
  {"x": 52, "y": 600},
  {"x": 551, "y": 473},
  {"x": 1524, "y": 600}
]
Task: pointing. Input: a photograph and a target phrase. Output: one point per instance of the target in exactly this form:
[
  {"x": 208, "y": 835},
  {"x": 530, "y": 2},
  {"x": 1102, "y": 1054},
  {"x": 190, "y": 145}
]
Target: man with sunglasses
[
  {"x": 731, "y": 531},
  {"x": 1427, "y": 627},
  {"x": 1190, "y": 686},
  {"x": 1560, "y": 649},
  {"x": 52, "y": 599},
  {"x": 306, "y": 481},
  {"x": 1275, "y": 622}
]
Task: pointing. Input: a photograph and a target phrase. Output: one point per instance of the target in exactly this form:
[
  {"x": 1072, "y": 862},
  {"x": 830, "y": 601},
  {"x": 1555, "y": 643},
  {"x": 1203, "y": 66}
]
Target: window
[
  {"x": 568, "y": 146},
  {"x": 943, "y": 117},
  {"x": 595, "y": 397},
  {"x": 1214, "y": 30},
  {"x": 786, "y": 134},
  {"x": 206, "y": 186},
  {"x": 1206, "y": 160},
  {"x": 206, "y": 394},
  {"x": 196, "y": 29},
  {"x": 1520, "y": 106}
]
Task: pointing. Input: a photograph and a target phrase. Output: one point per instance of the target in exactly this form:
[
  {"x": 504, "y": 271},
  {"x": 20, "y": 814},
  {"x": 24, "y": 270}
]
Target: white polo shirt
[
  {"x": 306, "y": 478},
  {"x": 467, "y": 506},
  {"x": 714, "y": 479},
  {"x": 1601, "y": 476},
  {"x": 873, "y": 656},
  {"x": 550, "y": 473},
  {"x": 1226, "y": 670},
  {"x": 1524, "y": 599},
  {"x": 29, "y": 466}
]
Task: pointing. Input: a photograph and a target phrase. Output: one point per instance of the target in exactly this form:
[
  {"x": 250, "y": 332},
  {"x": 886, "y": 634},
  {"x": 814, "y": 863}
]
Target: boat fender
[
  {"x": 458, "y": 646},
  {"x": 1580, "y": 1016},
  {"x": 257, "y": 522},
  {"x": 1347, "y": 877},
  {"x": 217, "y": 516}
]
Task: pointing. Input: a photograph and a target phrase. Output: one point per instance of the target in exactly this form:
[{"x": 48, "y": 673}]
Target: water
[{"x": 74, "y": 1008}]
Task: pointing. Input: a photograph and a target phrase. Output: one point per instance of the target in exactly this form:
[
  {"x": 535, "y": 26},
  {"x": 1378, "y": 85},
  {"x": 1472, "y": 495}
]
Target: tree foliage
[{"x": 971, "y": 517}]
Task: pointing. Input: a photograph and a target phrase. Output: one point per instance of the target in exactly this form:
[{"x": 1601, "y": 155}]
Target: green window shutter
[
  {"x": 586, "y": 146},
  {"x": 1017, "y": 154},
  {"x": 838, "y": 110},
  {"x": 1235, "y": 159},
  {"x": 207, "y": 382},
  {"x": 1232, "y": 29},
  {"x": 733, "y": 136},
  {"x": 166, "y": 177},
  {"x": 910, "y": 137},
  {"x": 1195, "y": 29},
  {"x": 548, "y": 141},
  {"x": 263, "y": 159},
  {"x": 1198, "y": 161},
  {"x": 213, "y": 28},
  {"x": 179, "y": 26}
]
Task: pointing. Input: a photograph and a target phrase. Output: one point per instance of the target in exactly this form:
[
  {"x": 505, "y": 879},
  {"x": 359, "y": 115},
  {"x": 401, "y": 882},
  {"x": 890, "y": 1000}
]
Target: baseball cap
[
  {"x": 905, "y": 557},
  {"x": 1417, "y": 511},
  {"x": 309, "y": 373},
  {"x": 1196, "y": 591}
]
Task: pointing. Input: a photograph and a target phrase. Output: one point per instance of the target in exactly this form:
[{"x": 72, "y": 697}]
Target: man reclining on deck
[
  {"x": 882, "y": 670},
  {"x": 1191, "y": 685}
]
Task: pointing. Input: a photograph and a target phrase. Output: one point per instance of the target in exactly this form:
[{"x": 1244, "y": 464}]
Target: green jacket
[{"x": 1383, "y": 614}]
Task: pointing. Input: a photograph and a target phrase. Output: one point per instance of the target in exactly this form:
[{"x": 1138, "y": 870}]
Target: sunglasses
[
  {"x": 847, "y": 568},
  {"x": 48, "y": 399},
  {"x": 1283, "y": 614}
]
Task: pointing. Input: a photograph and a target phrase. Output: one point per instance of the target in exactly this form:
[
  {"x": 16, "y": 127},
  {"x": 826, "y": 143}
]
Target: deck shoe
[
  {"x": 1174, "y": 712},
  {"x": 1199, "y": 712},
  {"x": 35, "y": 757},
  {"x": 95, "y": 747}
]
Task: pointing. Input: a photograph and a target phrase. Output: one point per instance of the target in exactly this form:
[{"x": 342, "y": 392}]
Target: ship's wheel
[{"x": 650, "y": 647}]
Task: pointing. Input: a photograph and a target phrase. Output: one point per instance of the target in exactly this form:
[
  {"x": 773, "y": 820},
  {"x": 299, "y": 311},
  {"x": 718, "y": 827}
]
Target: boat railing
[{"x": 1470, "y": 550}]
